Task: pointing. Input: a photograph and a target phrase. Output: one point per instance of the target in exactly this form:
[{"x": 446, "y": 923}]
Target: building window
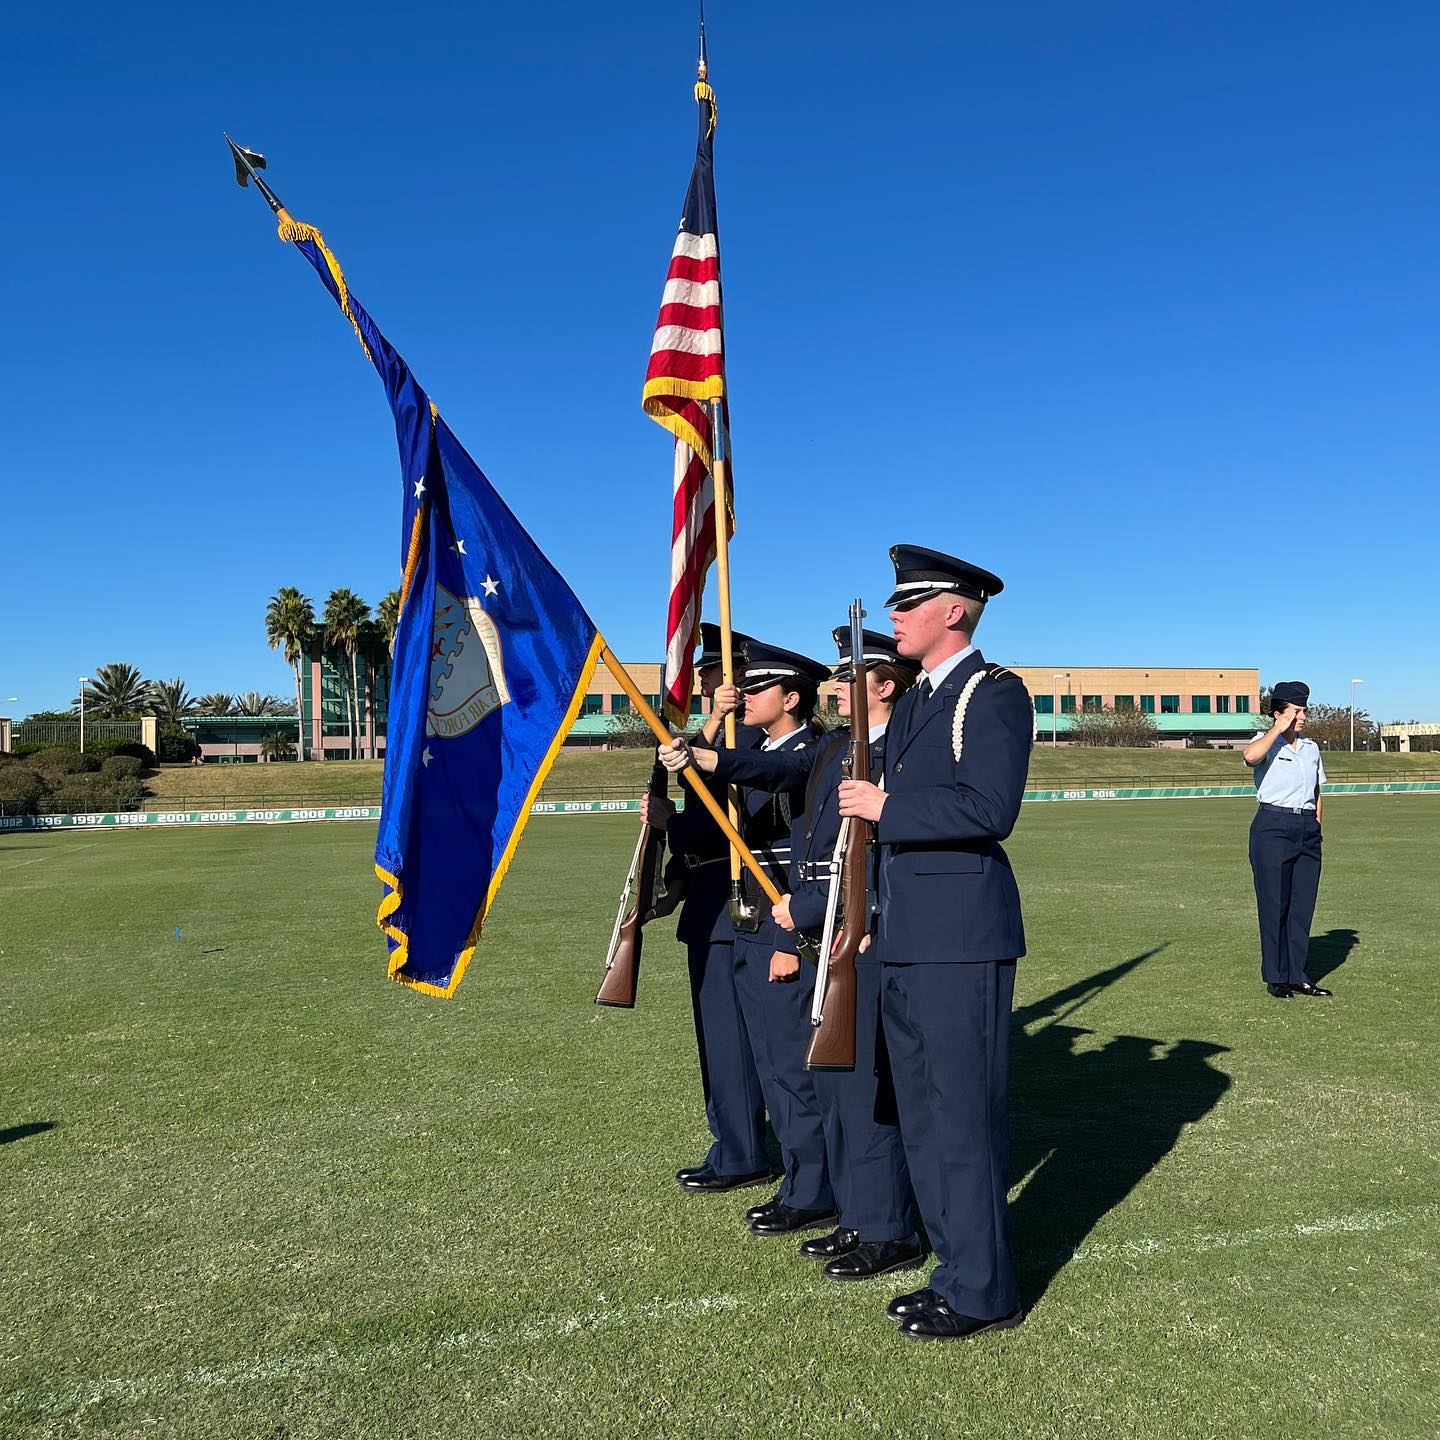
[
  {"x": 697, "y": 704},
  {"x": 1067, "y": 704},
  {"x": 653, "y": 701},
  {"x": 832, "y": 704},
  {"x": 1222, "y": 704},
  {"x": 1147, "y": 704},
  {"x": 1242, "y": 704},
  {"x": 1199, "y": 704},
  {"x": 619, "y": 704},
  {"x": 592, "y": 705},
  {"x": 1044, "y": 704},
  {"x": 1169, "y": 704},
  {"x": 1124, "y": 702},
  {"x": 1092, "y": 703}
]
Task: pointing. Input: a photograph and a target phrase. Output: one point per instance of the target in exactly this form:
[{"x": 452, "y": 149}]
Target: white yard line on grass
[
  {"x": 50, "y": 855},
  {"x": 293, "y": 1365}
]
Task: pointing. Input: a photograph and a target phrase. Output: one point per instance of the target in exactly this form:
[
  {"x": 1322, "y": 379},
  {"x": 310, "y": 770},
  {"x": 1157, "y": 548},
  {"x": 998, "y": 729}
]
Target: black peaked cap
[
  {"x": 920, "y": 573},
  {"x": 767, "y": 664},
  {"x": 879, "y": 649},
  {"x": 710, "y": 645},
  {"x": 1290, "y": 692}
]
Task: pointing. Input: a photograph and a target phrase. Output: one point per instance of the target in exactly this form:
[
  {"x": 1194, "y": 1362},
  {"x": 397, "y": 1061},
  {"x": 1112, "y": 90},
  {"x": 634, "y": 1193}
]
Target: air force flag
[{"x": 493, "y": 654}]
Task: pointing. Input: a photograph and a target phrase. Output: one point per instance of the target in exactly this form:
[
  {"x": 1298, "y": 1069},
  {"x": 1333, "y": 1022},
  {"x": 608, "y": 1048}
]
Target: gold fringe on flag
[{"x": 292, "y": 232}]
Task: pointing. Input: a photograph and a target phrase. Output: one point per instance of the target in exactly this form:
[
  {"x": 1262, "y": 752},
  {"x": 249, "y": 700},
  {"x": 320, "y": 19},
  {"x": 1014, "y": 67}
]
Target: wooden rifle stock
[
  {"x": 622, "y": 964},
  {"x": 832, "y": 1041}
]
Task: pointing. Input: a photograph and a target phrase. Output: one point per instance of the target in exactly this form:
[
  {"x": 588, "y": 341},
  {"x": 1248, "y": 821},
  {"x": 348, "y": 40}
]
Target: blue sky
[{"x": 1135, "y": 305}]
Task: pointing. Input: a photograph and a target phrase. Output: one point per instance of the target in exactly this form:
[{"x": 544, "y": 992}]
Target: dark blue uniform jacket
[
  {"x": 699, "y": 844},
  {"x": 946, "y": 890}
]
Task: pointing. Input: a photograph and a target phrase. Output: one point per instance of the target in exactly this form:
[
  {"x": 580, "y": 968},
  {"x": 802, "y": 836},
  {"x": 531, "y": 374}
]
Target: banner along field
[{"x": 254, "y": 1190}]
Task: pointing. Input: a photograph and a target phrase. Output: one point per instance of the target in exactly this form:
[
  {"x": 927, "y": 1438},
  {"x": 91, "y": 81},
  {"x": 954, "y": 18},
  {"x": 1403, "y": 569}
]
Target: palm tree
[
  {"x": 290, "y": 626},
  {"x": 387, "y": 621},
  {"x": 345, "y": 612},
  {"x": 117, "y": 692},
  {"x": 252, "y": 702},
  {"x": 387, "y": 616},
  {"x": 216, "y": 703},
  {"x": 372, "y": 643},
  {"x": 276, "y": 746},
  {"x": 169, "y": 700}
]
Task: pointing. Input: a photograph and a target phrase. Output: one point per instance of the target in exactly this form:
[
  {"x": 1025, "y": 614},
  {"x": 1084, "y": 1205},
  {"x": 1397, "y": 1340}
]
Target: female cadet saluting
[{"x": 1285, "y": 840}]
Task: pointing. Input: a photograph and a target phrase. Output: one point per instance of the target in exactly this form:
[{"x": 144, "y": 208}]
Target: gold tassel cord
[
  {"x": 292, "y": 232},
  {"x": 704, "y": 92}
]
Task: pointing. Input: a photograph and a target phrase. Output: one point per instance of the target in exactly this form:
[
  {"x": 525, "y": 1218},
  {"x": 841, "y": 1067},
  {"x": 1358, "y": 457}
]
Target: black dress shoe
[
  {"x": 903, "y": 1306},
  {"x": 1280, "y": 992},
  {"x": 940, "y": 1322},
  {"x": 705, "y": 1181},
  {"x": 831, "y": 1246},
  {"x": 786, "y": 1220},
  {"x": 756, "y": 1211},
  {"x": 1306, "y": 988},
  {"x": 876, "y": 1257}
]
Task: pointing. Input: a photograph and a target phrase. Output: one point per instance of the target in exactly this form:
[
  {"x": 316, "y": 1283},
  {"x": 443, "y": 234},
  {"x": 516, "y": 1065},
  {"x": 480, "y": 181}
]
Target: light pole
[
  {"x": 1353, "y": 684},
  {"x": 1055, "y": 702},
  {"x": 84, "y": 681}
]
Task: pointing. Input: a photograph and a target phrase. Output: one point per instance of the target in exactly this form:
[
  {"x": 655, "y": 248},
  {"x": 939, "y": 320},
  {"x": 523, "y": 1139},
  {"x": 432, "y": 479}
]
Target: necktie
[{"x": 924, "y": 690}]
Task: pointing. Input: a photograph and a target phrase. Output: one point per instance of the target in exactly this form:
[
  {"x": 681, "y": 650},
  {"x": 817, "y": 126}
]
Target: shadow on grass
[
  {"x": 1329, "y": 952},
  {"x": 1089, "y": 1123},
  {"x": 23, "y": 1132}
]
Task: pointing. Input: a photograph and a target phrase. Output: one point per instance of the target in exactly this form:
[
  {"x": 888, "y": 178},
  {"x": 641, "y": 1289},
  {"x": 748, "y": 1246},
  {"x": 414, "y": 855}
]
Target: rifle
[
  {"x": 622, "y": 958},
  {"x": 832, "y": 1012}
]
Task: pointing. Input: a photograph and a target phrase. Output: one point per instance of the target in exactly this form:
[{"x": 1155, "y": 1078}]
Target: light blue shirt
[
  {"x": 937, "y": 676},
  {"x": 1290, "y": 774},
  {"x": 768, "y": 744}
]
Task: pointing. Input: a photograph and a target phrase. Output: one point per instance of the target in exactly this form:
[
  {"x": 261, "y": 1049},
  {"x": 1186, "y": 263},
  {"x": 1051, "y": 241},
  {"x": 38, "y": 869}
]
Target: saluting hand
[
  {"x": 861, "y": 799},
  {"x": 783, "y": 967},
  {"x": 1285, "y": 718},
  {"x": 780, "y": 913}
]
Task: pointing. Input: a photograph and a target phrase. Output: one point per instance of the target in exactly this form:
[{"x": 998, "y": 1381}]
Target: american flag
[{"x": 687, "y": 368}]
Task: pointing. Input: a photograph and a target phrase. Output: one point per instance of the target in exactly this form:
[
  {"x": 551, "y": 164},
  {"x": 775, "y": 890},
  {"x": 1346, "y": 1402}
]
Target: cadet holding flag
[
  {"x": 864, "y": 1151},
  {"x": 956, "y": 755},
  {"x": 493, "y": 654}
]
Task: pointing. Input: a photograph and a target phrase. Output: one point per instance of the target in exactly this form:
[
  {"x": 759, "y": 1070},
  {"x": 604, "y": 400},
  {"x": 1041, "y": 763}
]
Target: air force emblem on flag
[{"x": 467, "y": 669}]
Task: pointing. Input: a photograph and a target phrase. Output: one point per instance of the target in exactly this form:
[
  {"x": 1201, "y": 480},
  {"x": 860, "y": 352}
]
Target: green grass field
[
  {"x": 613, "y": 774},
  {"x": 252, "y": 1190}
]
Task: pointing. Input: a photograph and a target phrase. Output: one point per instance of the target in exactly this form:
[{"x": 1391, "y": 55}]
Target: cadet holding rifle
[{"x": 956, "y": 755}]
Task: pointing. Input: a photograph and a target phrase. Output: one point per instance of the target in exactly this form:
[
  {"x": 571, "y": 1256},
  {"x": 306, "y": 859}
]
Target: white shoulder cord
[{"x": 957, "y": 733}]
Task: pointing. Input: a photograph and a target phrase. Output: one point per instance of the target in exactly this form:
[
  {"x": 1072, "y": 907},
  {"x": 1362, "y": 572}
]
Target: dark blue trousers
[
  {"x": 734, "y": 1104},
  {"x": 862, "y": 1132},
  {"x": 778, "y": 1019},
  {"x": 947, "y": 1028},
  {"x": 1285, "y": 860}
]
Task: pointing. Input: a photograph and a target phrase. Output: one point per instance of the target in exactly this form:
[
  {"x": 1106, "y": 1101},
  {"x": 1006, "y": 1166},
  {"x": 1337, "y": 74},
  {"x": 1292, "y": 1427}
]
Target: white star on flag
[
  {"x": 426, "y": 757},
  {"x": 458, "y": 547},
  {"x": 419, "y": 487},
  {"x": 490, "y": 586}
]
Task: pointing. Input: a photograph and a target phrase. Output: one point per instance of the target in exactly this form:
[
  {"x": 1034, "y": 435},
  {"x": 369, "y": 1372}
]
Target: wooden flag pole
[
  {"x": 721, "y": 505},
  {"x": 692, "y": 777}
]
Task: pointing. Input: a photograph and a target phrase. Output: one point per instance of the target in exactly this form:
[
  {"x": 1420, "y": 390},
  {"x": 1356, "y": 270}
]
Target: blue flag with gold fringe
[{"x": 493, "y": 654}]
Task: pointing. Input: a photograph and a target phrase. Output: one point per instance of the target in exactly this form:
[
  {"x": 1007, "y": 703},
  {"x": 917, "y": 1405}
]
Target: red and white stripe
[{"x": 687, "y": 368}]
